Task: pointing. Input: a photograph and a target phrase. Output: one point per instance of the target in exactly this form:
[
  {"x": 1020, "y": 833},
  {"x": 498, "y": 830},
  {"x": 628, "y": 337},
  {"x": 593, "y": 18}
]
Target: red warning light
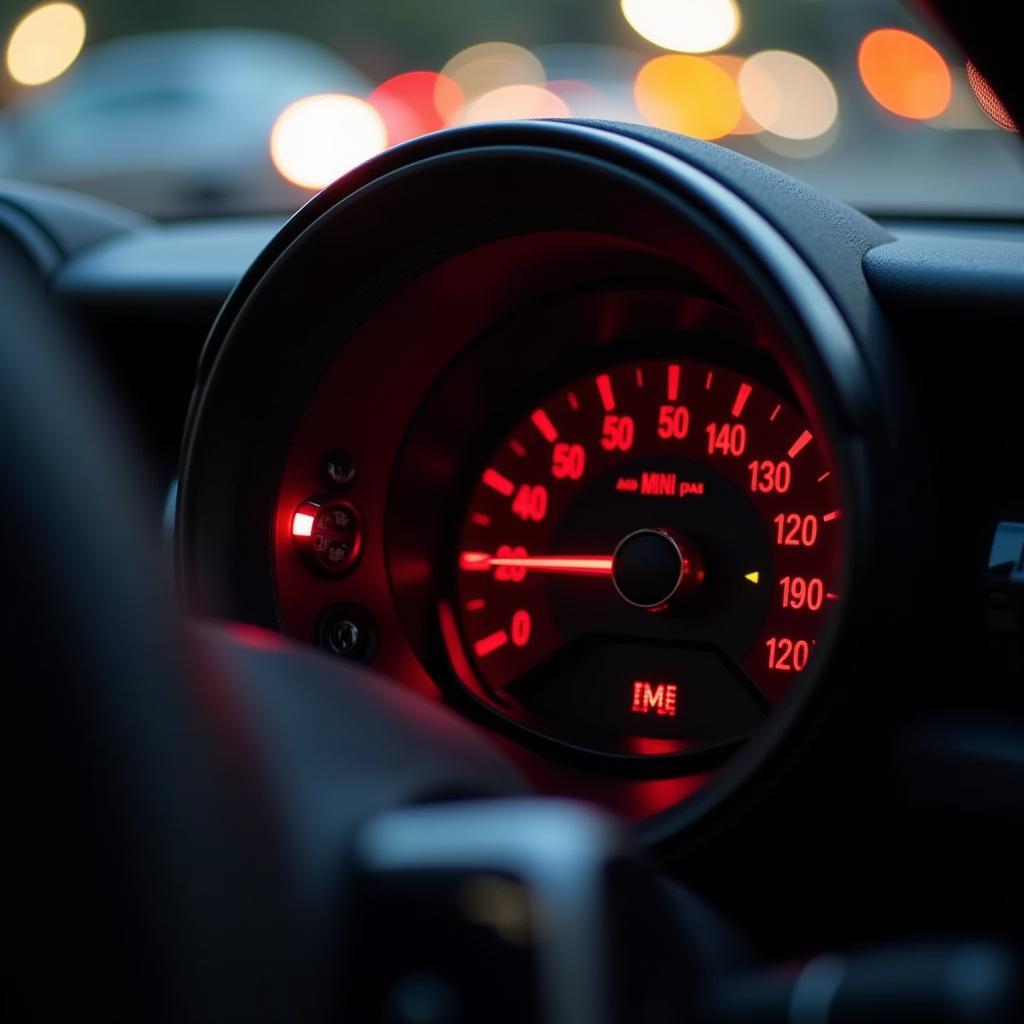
[
  {"x": 302, "y": 524},
  {"x": 656, "y": 698}
]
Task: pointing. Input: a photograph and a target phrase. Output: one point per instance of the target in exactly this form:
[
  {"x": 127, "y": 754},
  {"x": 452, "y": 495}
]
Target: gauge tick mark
[
  {"x": 490, "y": 644},
  {"x": 741, "y": 399},
  {"x": 800, "y": 444},
  {"x": 499, "y": 483},
  {"x": 542, "y": 421}
]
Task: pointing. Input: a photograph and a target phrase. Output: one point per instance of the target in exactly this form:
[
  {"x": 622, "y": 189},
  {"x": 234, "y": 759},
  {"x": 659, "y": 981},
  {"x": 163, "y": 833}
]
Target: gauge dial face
[{"x": 648, "y": 561}]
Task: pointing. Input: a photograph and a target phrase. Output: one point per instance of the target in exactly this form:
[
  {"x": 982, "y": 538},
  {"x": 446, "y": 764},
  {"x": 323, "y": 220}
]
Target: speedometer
[{"x": 647, "y": 560}]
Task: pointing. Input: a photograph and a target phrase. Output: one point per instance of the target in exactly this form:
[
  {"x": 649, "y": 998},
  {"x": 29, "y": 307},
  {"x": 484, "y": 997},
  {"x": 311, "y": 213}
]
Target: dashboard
[{"x": 692, "y": 486}]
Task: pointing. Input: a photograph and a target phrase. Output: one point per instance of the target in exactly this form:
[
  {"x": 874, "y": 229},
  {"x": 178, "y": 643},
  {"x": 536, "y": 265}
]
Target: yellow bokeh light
[
  {"x": 788, "y": 95},
  {"x": 691, "y": 26},
  {"x": 486, "y": 67},
  {"x": 45, "y": 43},
  {"x": 319, "y": 138},
  {"x": 691, "y": 95},
  {"x": 515, "y": 103}
]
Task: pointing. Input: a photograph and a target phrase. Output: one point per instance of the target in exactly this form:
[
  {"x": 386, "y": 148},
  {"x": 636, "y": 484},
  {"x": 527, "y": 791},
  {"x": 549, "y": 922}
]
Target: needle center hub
[{"x": 652, "y": 565}]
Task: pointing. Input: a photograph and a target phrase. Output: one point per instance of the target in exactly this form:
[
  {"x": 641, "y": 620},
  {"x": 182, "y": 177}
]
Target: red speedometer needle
[{"x": 575, "y": 565}]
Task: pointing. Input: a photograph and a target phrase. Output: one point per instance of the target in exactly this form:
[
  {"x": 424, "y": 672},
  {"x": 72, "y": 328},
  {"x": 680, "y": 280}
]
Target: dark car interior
[{"x": 567, "y": 571}]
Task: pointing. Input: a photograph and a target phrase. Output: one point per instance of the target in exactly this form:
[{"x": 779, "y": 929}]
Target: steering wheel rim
[
  {"x": 182, "y": 798},
  {"x": 125, "y": 840}
]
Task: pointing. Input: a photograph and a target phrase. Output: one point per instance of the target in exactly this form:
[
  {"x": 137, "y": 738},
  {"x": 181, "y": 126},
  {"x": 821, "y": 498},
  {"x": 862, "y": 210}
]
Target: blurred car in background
[{"x": 174, "y": 123}]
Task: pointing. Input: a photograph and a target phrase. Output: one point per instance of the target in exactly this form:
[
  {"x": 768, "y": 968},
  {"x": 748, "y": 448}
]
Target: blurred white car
[{"x": 172, "y": 124}]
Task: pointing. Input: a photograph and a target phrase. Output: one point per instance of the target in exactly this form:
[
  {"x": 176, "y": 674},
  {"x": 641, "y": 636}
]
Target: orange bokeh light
[
  {"x": 416, "y": 103},
  {"x": 904, "y": 74},
  {"x": 688, "y": 94}
]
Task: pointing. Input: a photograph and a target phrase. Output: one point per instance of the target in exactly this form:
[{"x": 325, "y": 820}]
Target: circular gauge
[{"x": 647, "y": 560}]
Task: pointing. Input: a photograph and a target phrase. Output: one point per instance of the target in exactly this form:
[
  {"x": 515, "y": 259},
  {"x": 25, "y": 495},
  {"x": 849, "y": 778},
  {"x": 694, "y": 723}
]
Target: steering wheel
[{"x": 180, "y": 802}]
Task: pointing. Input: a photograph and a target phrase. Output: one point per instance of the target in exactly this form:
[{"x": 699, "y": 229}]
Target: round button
[
  {"x": 349, "y": 632},
  {"x": 650, "y": 566},
  {"x": 328, "y": 536},
  {"x": 338, "y": 468}
]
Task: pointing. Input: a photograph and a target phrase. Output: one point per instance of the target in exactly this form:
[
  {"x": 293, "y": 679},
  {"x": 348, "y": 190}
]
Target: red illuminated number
[
  {"x": 510, "y": 573},
  {"x": 785, "y": 655},
  {"x": 770, "y": 477},
  {"x": 520, "y": 631},
  {"x": 531, "y": 503},
  {"x": 568, "y": 461},
  {"x": 798, "y": 592},
  {"x": 673, "y": 422},
  {"x": 727, "y": 439},
  {"x": 795, "y": 530},
  {"x": 617, "y": 433}
]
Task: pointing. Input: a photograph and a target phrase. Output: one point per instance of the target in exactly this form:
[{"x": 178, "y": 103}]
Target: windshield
[{"x": 217, "y": 107}]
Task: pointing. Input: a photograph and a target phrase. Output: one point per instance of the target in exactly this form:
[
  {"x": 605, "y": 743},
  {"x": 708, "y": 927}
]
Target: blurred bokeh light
[
  {"x": 161, "y": 113},
  {"x": 514, "y": 103},
  {"x": 690, "y": 26},
  {"x": 988, "y": 100},
  {"x": 799, "y": 149},
  {"x": 319, "y": 138},
  {"x": 416, "y": 103},
  {"x": 486, "y": 67},
  {"x": 687, "y": 94},
  {"x": 45, "y": 43},
  {"x": 583, "y": 99},
  {"x": 963, "y": 112},
  {"x": 595, "y": 80},
  {"x": 904, "y": 73},
  {"x": 732, "y": 65},
  {"x": 788, "y": 95}
]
